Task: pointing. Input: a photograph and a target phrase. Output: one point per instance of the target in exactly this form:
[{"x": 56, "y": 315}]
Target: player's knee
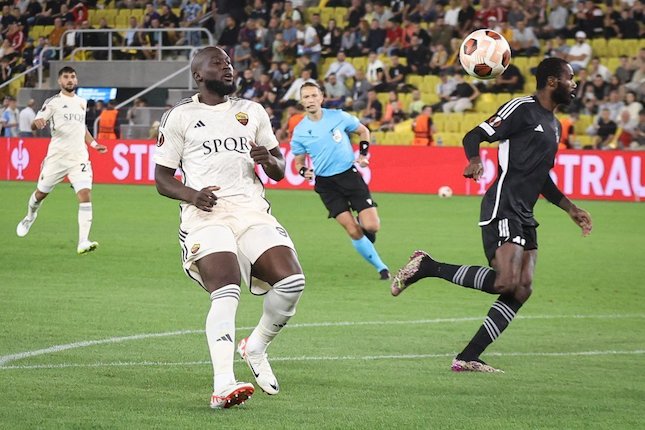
[
  {"x": 289, "y": 290},
  {"x": 371, "y": 226},
  {"x": 507, "y": 284},
  {"x": 40, "y": 195},
  {"x": 355, "y": 231}
]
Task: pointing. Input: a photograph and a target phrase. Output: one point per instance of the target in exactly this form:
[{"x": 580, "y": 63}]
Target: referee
[{"x": 324, "y": 135}]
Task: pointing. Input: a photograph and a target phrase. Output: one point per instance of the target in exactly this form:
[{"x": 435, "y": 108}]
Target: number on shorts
[
  {"x": 83, "y": 167},
  {"x": 282, "y": 231}
]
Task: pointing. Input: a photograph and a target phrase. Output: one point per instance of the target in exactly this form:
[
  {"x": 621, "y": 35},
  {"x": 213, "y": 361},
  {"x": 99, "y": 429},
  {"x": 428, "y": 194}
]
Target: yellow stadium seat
[
  {"x": 359, "y": 63},
  {"x": 453, "y": 122},
  {"x": 486, "y": 107},
  {"x": 599, "y": 47},
  {"x": 471, "y": 120},
  {"x": 430, "y": 98},
  {"x": 439, "y": 121},
  {"x": 121, "y": 21},
  {"x": 415, "y": 80},
  {"x": 403, "y": 126},
  {"x": 377, "y": 137},
  {"x": 584, "y": 121},
  {"x": 611, "y": 63}
]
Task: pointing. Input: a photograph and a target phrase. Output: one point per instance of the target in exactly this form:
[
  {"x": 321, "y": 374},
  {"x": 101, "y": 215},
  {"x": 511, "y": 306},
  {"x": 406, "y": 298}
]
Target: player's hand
[
  {"x": 40, "y": 123},
  {"x": 205, "y": 199},
  {"x": 309, "y": 174},
  {"x": 582, "y": 218},
  {"x": 474, "y": 169},
  {"x": 101, "y": 148},
  {"x": 363, "y": 161},
  {"x": 261, "y": 155}
]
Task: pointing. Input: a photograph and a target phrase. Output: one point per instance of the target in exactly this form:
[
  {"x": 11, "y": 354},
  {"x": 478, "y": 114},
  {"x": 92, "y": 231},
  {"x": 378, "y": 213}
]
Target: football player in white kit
[
  {"x": 227, "y": 233},
  {"x": 66, "y": 156}
]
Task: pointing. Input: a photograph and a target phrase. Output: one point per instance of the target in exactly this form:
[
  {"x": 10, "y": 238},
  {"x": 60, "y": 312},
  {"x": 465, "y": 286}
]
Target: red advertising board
[{"x": 598, "y": 175}]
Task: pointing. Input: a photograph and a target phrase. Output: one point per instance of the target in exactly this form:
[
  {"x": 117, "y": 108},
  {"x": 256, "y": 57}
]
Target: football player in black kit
[{"x": 528, "y": 132}]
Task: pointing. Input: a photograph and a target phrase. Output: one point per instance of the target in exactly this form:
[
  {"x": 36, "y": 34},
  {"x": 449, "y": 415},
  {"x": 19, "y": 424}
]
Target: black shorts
[
  {"x": 343, "y": 192},
  {"x": 500, "y": 231}
]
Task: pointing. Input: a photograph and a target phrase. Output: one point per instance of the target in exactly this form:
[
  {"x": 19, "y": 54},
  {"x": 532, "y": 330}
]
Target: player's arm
[
  {"x": 364, "y": 145},
  {"x": 89, "y": 140},
  {"x": 300, "y": 162},
  {"x": 265, "y": 151},
  {"x": 271, "y": 161},
  {"x": 507, "y": 121},
  {"x": 43, "y": 115},
  {"x": 580, "y": 216},
  {"x": 169, "y": 186}
]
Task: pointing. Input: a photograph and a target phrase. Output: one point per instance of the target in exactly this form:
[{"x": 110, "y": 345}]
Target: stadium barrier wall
[{"x": 595, "y": 175}]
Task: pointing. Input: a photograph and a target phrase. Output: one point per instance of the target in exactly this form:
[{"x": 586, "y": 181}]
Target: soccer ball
[
  {"x": 484, "y": 54},
  {"x": 445, "y": 192}
]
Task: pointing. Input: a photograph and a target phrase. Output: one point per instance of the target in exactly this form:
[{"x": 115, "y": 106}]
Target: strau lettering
[{"x": 238, "y": 144}]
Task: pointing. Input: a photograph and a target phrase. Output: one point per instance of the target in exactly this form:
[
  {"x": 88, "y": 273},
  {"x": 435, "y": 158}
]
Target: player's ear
[{"x": 197, "y": 77}]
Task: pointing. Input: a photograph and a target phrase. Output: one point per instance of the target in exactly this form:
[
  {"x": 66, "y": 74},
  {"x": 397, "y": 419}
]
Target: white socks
[
  {"x": 220, "y": 334},
  {"x": 32, "y": 206},
  {"x": 279, "y": 306},
  {"x": 84, "y": 221}
]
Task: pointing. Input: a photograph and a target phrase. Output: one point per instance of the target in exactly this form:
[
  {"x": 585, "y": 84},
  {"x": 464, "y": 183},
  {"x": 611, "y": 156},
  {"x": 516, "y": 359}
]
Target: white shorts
[
  {"x": 246, "y": 233},
  {"x": 53, "y": 173}
]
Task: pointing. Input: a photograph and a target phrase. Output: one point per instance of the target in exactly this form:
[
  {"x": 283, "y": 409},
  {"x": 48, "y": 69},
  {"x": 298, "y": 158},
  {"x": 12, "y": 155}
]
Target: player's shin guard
[
  {"x": 368, "y": 252},
  {"x": 220, "y": 333},
  {"x": 499, "y": 317},
  {"x": 84, "y": 221},
  {"x": 32, "y": 206},
  {"x": 279, "y": 306}
]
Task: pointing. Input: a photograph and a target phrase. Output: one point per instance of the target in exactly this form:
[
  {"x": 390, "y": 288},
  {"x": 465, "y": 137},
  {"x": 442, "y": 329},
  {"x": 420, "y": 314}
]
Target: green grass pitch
[{"x": 352, "y": 358}]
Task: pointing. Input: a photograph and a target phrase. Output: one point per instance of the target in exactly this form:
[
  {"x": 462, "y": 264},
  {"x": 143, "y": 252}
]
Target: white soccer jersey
[
  {"x": 66, "y": 117},
  {"x": 211, "y": 145}
]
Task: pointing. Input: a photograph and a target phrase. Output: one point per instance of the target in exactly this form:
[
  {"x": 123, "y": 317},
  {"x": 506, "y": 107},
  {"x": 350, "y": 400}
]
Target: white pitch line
[
  {"x": 322, "y": 358},
  {"x": 5, "y": 359}
]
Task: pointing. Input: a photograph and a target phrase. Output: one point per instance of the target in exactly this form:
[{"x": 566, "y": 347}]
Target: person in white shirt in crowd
[
  {"x": 341, "y": 68},
  {"x": 294, "y": 90},
  {"x": 580, "y": 54},
  {"x": 26, "y": 118},
  {"x": 373, "y": 64}
]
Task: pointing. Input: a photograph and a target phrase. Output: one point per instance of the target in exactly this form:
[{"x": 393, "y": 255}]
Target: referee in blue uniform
[{"x": 324, "y": 135}]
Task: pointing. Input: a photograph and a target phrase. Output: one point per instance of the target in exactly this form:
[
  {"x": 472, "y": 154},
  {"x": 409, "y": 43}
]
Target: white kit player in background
[
  {"x": 66, "y": 156},
  {"x": 227, "y": 233}
]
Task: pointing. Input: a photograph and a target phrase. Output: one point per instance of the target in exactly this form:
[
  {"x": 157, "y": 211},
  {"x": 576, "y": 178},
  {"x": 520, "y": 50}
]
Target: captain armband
[{"x": 363, "y": 146}]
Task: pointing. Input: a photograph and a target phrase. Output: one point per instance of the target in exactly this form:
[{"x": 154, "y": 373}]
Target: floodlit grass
[{"x": 352, "y": 357}]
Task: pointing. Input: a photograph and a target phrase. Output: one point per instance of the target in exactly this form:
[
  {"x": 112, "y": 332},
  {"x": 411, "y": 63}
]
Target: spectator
[
  {"x": 624, "y": 70},
  {"x": 600, "y": 89},
  {"x": 516, "y": 14},
  {"x": 33, "y": 11},
  {"x": 462, "y": 98},
  {"x": 320, "y": 30},
  {"x": 167, "y": 17},
  {"x": 418, "y": 56},
  {"x": 627, "y": 130},
  {"x": 10, "y": 118},
  {"x": 348, "y": 42},
  {"x": 596, "y": 68},
  {"x": 579, "y": 54},
  {"x": 130, "y": 40},
  {"x": 376, "y": 37},
  {"x": 26, "y": 118},
  {"x": 290, "y": 34},
  {"x": 293, "y": 93},
  {"x": 381, "y": 14},
  {"x": 511, "y": 81},
  {"x": 632, "y": 104},
  {"x": 373, "y": 65},
  {"x": 335, "y": 92},
  {"x": 246, "y": 86},
  {"x": 442, "y": 33},
  {"x": 359, "y": 91},
  {"x": 604, "y": 129},
  {"x": 341, "y": 68},
  {"x": 192, "y": 13},
  {"x": 567, "y": 138},
  {"x": 416, "y": 104},
  {"x": 295, "y": 114},
  {"x": 614, "y": 105},
  {"x": 556, "y": 21},
  {"x": 640, "y": 131},
  {"x": 308, "y": 42},
  {"x": 393, "y": 113},
  {"x": 228, "y": 38},
  {"x": 242, "y": 55},
  {"x": 394, "y": 38},
  {"x": 444, "y": 89},
  {"x": 524, "y": 41},
  {"x": 373, "y": 111},
  {"x": 305, "y": 63},
  {"x": 396, "y": 74},
  {"x": 291, "y": 13},
  {"x": 557, "y": 47},
  {"x": 423, "y": 128},
  {"x": 628, "y": 27},
  {"x": 439, "y": 59},
  {"x": 108, "y": 122},
  {"x": 355, "y": 13}
]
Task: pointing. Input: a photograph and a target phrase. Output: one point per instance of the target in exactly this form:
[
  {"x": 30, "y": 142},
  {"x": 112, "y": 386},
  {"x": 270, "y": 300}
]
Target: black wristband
[
  {"x": 302, "y": 171},
  {"x": 363, "y": 146}
]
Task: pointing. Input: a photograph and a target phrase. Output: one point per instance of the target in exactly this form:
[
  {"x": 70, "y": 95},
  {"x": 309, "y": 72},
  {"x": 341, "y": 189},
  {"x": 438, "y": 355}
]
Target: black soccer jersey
[{"x": 529, "y": 136}]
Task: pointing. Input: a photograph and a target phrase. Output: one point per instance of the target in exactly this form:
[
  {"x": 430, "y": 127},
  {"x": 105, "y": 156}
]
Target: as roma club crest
[
  {"x": 195, "y": 248},
  {"x": 242, "y": 118}
]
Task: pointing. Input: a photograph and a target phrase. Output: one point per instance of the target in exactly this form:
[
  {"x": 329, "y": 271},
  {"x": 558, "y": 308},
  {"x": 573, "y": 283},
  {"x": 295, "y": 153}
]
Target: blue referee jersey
[{"x": 326, "y": 141}]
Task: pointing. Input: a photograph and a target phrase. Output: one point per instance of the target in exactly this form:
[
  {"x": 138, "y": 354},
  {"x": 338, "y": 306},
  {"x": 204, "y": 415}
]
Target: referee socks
[{"x": 368, "y": 252}]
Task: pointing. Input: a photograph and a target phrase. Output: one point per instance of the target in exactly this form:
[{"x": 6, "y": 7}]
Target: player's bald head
[{"x": 202, "y": 56}]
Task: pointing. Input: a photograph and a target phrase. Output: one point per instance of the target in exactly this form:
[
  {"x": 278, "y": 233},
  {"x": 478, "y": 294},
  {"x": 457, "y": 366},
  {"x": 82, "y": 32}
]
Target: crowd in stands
[{"x": 367, "y": 54}]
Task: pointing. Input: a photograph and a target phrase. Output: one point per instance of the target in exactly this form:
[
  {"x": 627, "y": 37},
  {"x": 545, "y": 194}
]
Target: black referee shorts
[
  {"x": 502, "y": 230},
  {"x": 344, "y": 192}
]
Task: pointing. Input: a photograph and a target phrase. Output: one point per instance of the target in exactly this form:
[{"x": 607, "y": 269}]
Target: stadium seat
[
  {"x": 453, "y": 122},
  {"x": 584, "y": 121},
  {"x": 415, "y": 80},
  {"x": 611, "y": 63},
  {"x": 599, "y": 47}
]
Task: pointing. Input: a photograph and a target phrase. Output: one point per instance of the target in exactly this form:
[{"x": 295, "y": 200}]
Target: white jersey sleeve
[
  {"x": 47, "y": 111},
  {"x": 265, "y": 136},
  {"x": 170, "y": 142}
]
